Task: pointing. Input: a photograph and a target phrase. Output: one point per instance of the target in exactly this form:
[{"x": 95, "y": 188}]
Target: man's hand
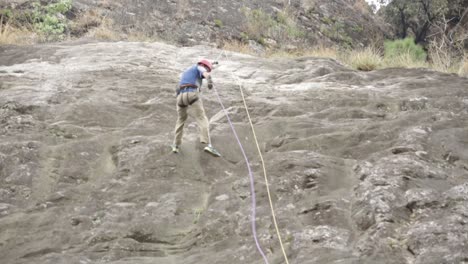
[{"x": 210, "y": 83}]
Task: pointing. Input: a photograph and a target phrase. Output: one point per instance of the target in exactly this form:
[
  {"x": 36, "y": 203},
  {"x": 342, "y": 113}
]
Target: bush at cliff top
[{"x": 404, "y": 47}]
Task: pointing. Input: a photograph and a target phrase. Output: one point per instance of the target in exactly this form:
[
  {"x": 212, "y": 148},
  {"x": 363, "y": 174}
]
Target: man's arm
[{"x": 207, "y": 76}]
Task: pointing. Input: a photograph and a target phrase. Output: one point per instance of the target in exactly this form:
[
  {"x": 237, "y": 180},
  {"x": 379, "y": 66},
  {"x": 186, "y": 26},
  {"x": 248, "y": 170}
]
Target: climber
[{"x": 188, "y": 97}]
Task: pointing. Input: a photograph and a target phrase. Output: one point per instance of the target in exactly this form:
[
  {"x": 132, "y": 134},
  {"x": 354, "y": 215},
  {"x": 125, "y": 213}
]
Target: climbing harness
[
  {"x": 250, "y": 172},
  {"x": 187, "y": 96}
]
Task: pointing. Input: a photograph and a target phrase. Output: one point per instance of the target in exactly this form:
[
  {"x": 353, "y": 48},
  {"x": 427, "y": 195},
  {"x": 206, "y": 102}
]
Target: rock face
[{"x": 363, "y": 167}]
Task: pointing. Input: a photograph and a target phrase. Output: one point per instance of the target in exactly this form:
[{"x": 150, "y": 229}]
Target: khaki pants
[{"x": 200, "y": 117}]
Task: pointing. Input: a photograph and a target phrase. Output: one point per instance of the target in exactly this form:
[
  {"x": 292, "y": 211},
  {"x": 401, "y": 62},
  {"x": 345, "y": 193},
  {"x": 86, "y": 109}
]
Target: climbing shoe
[
  {"x": 175, "y": 149},
  {"x": 212, "y": 151}
]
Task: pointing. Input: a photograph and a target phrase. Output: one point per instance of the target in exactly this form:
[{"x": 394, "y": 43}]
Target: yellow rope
[{"x": 263, "y": 165}]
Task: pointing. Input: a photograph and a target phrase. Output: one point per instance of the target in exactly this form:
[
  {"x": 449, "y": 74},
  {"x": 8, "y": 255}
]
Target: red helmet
[{"x": 206, "y": 63}]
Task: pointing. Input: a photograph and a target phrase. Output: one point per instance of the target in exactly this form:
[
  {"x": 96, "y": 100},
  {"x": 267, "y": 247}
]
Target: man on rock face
[{"x": 188, "y": 96}]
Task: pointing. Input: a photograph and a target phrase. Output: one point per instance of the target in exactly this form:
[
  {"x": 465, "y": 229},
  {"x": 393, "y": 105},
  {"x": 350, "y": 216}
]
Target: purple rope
[{"x": 252, "y": 187}]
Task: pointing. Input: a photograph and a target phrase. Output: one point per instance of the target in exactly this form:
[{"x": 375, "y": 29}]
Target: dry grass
[
  {"x": 463, "y": 71},
  {"x": 10, "y": 35},
  {"x": 93, "y": 25},
  {"x": 444, "y": 59},
  {"x": 404, "y": 61},
  {"x": 238, "y": 46},
  {"x": 98, "y": 27},
  {"x": 106, "y": 4},
  {"x": 7, "y": 35},
  {"x": 322, "y": 51},
  {"x": 366, "y": 59},
  {"x": 454, "y": 67},
  {"x": 139, "y": 36},
  {"x": 104, "y": 31},
  {"x": 362, "y": 6},
  {"x": 182, "y": 7},
  {"x": 318, "y": 51},
  {"x": 85, "y": 22},
  {"x": 282, "y": 54}
]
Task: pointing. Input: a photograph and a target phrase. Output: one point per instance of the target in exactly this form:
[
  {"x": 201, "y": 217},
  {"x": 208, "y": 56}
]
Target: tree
[
  {"x": 398, "y": 14},
  {"x": 449, "y": 35},
  {"x": 416, "y": 17},
  {"x": 441, "y": 26}
]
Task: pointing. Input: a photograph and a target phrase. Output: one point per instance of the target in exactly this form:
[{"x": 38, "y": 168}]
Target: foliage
[
  {"x": 10, "y": 34},
  {"x": 218, "y": 23},
  {"x": 5, "y": 13},
  {"x": 418, "y": 18},
  {"x": 244, "y": 37},
  {"x": 197, "y": 214},
  {"x": 357, "y": 29},
  {"x": 281, "y": 27},
  {"x": 337, "y": 31},
  {"x": 405, "y": 46},
  {"x": 50, "y": 19},
  {"x": 327, "y": 20},
  {"x": 238, "y": 46},
  {"x": 440, "y": 25},
  {"x": 258, "y": 23}
]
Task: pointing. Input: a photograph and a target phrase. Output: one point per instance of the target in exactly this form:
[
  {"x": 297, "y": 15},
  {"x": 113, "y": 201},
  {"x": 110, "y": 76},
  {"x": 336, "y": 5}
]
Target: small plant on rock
[{"x": 218, "y": 23}]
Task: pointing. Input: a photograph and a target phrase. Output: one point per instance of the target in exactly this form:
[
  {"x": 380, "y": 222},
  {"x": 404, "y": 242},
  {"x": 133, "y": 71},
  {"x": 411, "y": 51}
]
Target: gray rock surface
[{"x": 363, "y": 167}]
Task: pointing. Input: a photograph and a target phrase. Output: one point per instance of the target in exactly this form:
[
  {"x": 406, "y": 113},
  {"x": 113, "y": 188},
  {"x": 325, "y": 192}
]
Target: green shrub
[
  {"x": 244, "y": 37},
  {"x": 328, "y": 20},
  {"x": 218, "y": 23},
  {"x": 404, "y": 47},
  {"x": 357, "y": 29},
  {"x": 6, "y": 13},
  {"x": 50, "y": 20},
  {"x": 61, "y": 7}
]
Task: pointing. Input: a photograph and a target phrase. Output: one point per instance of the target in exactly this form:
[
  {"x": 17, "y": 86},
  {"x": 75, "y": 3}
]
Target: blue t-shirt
[{"x": 193, "y": 75}]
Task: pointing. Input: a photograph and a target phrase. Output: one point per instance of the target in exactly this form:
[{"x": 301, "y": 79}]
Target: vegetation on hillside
[
  {"x": 279, "y": 30},
  {"x": 429, "y": 33},
  {"x": 425, "y": 19},
  {"x": 41, "y": 21},
  {"x": 441, "y": 26}
]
